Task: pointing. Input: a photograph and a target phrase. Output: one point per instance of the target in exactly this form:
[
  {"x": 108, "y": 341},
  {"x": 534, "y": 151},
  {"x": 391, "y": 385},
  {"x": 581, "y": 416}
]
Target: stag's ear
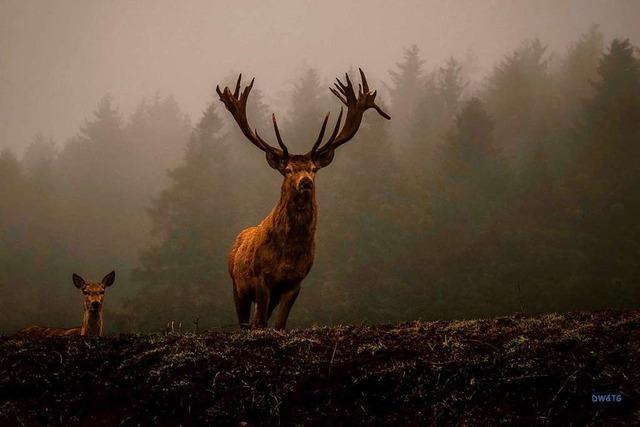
[
  {"x": 109, "y": 279},
  {"x": 276, "y": 162},
  {"x": 324, "y": 158},
  {"x": 78, "y": 281}
]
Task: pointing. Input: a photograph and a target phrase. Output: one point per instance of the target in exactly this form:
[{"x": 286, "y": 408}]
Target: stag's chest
[{"x": 287, "y": 261}]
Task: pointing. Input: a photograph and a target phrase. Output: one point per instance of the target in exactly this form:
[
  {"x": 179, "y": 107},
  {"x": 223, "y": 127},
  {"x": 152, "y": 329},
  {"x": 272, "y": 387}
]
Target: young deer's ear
[
  {"x": 276, "y": 162},
  {"x": 324, "y": 158},
  {"x": 109, "y": 279},
  {"x": 78, "y": 281}
]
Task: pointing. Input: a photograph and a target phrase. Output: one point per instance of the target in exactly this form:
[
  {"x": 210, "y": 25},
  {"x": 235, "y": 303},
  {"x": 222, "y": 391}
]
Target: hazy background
[
  {"x": 58, "y": 58},
  {"x": 505, "y": 182}
]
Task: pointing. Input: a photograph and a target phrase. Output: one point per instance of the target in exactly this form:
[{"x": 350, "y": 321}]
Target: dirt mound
[{"x": 522, "y": 370}]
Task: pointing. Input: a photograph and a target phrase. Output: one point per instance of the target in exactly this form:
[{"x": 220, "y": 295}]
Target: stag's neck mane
[
  {"x": 92, "y": 323},
  {"x": 293, "y": 220}
]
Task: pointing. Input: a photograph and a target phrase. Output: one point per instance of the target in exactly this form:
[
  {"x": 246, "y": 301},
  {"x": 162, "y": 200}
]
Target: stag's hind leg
[
  {"x": 243, "y": 308},
  {"x": 263, "y": 295},
  {"x": 286, "y": 302},
  {"x": 273, "y": 303}
]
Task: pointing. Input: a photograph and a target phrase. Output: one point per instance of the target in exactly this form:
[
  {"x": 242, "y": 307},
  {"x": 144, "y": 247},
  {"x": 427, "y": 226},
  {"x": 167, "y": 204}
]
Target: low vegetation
[{"x": 523, "y": 370}]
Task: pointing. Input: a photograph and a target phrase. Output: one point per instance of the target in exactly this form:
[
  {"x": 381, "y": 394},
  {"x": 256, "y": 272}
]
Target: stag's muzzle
[{"x": 305, "y": 184}]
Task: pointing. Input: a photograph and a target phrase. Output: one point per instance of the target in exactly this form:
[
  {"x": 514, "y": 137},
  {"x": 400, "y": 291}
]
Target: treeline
[{"x": 513, "y": 192}]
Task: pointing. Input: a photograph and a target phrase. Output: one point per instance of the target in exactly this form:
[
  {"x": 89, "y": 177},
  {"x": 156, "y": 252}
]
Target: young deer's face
[{"x": 93, "y": 291}]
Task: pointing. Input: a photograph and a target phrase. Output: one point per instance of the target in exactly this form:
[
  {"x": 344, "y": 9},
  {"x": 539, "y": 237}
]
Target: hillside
[{"x": 525, "y": 370}]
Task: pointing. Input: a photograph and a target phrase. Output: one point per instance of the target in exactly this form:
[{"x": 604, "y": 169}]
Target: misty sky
[{"x": 58, "y": 58}]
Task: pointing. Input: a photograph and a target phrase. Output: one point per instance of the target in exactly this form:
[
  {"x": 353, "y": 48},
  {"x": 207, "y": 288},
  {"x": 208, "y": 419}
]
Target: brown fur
[
  {"x": 268, "y": 262},
  {"x": 92, "y": 318}
]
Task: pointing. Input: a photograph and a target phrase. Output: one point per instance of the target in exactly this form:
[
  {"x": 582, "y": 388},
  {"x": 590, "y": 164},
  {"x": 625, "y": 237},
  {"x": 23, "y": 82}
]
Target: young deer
[
  {"x": 268, "y": 262},
  {"x": 92, "y": 322}
]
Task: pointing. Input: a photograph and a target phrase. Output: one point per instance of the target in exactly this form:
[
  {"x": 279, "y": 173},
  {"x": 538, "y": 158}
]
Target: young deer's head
[
  {"x": 93, "y": 291},
  {"x": 299, "y": 170}
]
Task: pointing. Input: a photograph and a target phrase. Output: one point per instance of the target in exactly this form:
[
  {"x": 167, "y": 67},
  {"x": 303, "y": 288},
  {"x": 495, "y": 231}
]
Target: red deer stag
[
  {"x": 269, "y": 261},
  {"x": 92, "y": 322}
]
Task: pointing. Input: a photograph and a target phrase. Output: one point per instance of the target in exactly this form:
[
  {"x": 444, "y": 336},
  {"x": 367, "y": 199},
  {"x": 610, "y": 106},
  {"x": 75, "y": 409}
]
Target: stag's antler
[
  {"x": 355, "y": 109},
  {"x": 236, "y": 103}
]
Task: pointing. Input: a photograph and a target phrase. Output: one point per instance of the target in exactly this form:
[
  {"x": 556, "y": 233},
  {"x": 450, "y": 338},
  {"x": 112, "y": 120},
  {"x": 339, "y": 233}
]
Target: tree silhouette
[{"x": 184, "y": 275}]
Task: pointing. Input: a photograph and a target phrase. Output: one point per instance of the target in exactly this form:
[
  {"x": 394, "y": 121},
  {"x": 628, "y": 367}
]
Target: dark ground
[{"x": 510, "y": 370}]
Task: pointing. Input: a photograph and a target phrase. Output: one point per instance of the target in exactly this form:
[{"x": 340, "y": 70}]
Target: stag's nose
[
  {"x": 95, "y": 305},
  {"x": 305, "y": 184}
]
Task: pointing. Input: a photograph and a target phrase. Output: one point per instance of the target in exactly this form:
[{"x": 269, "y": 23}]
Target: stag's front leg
[
  {"x": 286, "y": 302},
  {"x": 263, "y": 295}
]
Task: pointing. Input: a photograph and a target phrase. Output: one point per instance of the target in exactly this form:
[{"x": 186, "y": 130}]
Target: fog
[
  {"x": 506, "y": 180},
  {"x": 57, "y": 59}
]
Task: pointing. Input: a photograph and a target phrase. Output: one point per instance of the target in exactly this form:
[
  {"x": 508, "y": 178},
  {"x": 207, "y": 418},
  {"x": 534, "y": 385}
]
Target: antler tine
[
  {"x": 365, "y": 85},
  {"x": 349, "y": 88},
  {"x": 336, "y": 93},
  {"x": 322, "y": 129},
  {"x": 382, "y": 113},
  {"x": 236, "y": 103},
  {"x": 337, "y": 127},
  {"x": 280, "y": 142},
  {"x": 332, "y": 137},
  {"x": 236, "y": 92},
  {"x": 247, "y": 90},
  {"x": 356, "y": 106},
  {"x": 263, "y": 144}
]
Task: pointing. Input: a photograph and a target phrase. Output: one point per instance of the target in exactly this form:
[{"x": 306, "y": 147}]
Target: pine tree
[
  {"x": 519, "y": 92},
  {"x": 14, "y": 242},
  {"x": 44, "y": 198},
  {"x": 613, "y": 117},
  {"x": 38, "y": 162},
  {"x": 13, "y": 187},
  {"x": 11, "y": 181},
  {"x": 96, "y": 175},
  {"x": 579, "y": 70},
  {"x": 468, "y": 193},
  {"x": 573, "y": 85},
  {"x": 11, "y": 174},
  {"x": 183, "y": 277},
  {"x": 358, "y": 225},
  {"x": 405, "y": 91},
  {"x": 434, "y": 113},
  {"x": 407, "y": 81},
  {"x": 158, "y": 132},
  {"x": 309, "y": 103},
  {"x": 609, "y": 172},
  {"x": 472, "y": 179}
]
